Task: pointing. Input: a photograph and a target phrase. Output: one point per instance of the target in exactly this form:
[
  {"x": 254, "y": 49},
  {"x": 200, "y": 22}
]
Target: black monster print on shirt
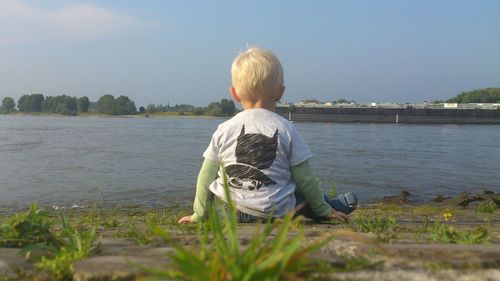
[{"x": 254, "y": 152}]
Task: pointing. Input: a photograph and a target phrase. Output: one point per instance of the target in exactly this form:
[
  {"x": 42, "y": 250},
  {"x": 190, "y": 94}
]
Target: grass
[
  {"x": 384, "y": 229},
  {"x": 271, "y": 254},
  {"x": 443, "y": 232},
  {"x": 440, "y": 229},
  {"x": 486, "y": 207},
  {"x": 76, "y": 245},
  {"x": 26, "y": 228},
  {"x": 53, "y": 252}
]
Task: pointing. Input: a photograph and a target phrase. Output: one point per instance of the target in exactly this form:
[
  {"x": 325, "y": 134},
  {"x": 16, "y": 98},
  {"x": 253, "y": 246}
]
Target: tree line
[
  {"x": 487, "y": 95},
  {"x": 106, "y": 104},
  {"x": 224, "y": 107},
  {"x": 67, "y": 105}
]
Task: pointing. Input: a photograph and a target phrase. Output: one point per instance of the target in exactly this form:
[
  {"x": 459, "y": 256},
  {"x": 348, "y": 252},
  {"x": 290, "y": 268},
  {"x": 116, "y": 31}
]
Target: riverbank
[
  {"x": 95, "y": 114},
  {"x": 390, "y": 240}
]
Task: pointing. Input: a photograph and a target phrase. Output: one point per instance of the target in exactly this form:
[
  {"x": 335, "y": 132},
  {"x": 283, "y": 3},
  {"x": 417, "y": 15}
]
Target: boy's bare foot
[{"x": 185, "y": 220}]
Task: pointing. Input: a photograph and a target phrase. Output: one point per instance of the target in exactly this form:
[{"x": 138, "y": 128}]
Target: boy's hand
[
  {"x": 185, "y": 220},
  {"x": 336, "y": 215}
]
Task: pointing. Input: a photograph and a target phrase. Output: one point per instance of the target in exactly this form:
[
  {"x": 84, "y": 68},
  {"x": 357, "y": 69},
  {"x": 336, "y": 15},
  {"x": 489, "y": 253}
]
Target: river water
[{"x": 63, "y": 161}]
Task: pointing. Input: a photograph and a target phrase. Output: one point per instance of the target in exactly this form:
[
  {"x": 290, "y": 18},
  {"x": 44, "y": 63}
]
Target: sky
[{"x": 180, "y": 52}]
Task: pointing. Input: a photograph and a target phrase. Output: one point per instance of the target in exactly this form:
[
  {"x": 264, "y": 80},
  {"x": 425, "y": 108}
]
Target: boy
[{"x": 264, "y": 157}]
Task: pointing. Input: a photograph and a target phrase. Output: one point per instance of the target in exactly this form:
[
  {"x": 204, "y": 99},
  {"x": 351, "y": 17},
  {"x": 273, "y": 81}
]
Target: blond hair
[{"x": 257, "y": 72}]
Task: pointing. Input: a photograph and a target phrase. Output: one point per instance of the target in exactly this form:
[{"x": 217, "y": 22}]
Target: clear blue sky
[{"x": 181, "y": 51}]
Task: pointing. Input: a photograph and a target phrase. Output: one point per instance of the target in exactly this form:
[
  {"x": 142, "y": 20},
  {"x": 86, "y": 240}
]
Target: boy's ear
[
  {"x": 232, "y": 90},
  {"x": 280, "y": 93}
]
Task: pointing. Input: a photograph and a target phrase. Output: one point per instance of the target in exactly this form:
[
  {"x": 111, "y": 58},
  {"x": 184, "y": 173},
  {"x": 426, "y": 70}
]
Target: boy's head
[{"x": 257, "y": 74}]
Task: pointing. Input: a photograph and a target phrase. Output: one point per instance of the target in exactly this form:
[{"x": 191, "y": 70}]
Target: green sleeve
[
  {"x": 208, "y": 173},
  {"x": 308, "y": 185}
]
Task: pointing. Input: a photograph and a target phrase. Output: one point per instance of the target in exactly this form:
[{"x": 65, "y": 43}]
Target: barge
[{"x": 390, "y": 115}]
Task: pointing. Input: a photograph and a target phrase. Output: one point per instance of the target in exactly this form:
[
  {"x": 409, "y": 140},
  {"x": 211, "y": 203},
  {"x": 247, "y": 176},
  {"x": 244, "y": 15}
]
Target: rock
[
  {"x": 114, "y": 268},
  {"x": 465, "y": 198},
  {"x": 421, "y": 275},
  {"x": 10, "y": 259},
  {"x": 440, "y": 199},
  {"x": 120, "y": 259},
  {"x": 402, "y": 198},
  {"x": 455, "y": 255}
]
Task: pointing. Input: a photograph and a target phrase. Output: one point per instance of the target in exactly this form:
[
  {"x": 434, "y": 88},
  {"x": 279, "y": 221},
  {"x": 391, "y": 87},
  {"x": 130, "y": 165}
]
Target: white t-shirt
[{"x": 257, "y": 148}]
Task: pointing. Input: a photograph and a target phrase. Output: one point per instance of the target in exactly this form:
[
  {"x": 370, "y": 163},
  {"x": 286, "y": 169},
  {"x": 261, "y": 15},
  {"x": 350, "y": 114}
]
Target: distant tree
[
  {"x": 124, "y": 106},
  {"x": 83, "y": 104},
  {"x": 151, "y": 108},
  {"x": 30, "y": 103},
  {"x": 105, "y": 104},
  {"x": 8, "y": 105},
  {"x": 311, "y": 101},
  {"x": 215, "y": 109},
  {"x": 487, "y": 95},
  {"x": 60, "y": 104},
  {"x": 22, "y": 103},
  {"x": 142, "y": 109},
  {"x": 198, "y": 111},
  {"x": 342, "y": 101},
  {"x": 36, "y": 102},
  {"x": 227, "y": 106}
]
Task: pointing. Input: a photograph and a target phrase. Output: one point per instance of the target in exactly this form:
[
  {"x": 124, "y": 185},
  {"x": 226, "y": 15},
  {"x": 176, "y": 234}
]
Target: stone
[
  {"x": 421, "y": 275},
  {"x": 11, "y": 259},
  {"x": 402, "y": 198},
  {"x": 114, "y": 268}
]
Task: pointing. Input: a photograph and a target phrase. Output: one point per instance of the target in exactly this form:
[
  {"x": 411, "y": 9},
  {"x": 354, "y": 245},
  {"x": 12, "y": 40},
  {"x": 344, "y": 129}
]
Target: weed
[
  {"x": 76, "y": 245},
  {"x": 486, "y": 207},
  {"x": 165, "y": 216},
  {"x": 142, "y": 236},
  {"x": 31, "y": 227},
  {"x": 385, "y": 230},
  {"x": 111, "y": 223},
  {"x": 270, "y": 255},
  {"x": 446, "y": 233}
]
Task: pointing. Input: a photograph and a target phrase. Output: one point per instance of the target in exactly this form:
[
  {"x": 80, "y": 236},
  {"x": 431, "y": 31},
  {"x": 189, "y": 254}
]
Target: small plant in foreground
[
  {"x": 31, "y": 227},
  {"x": 385, "y": 230},
  {"x": 142, "y": 236},
  {"x": 486, "y": 207},
  {"x": 75, "y": 245},
  {"x": 270, "y": 255},
  {"x": 446, "y": 233}
]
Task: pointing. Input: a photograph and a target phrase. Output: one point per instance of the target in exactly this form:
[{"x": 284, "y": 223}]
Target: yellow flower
[{"x": 447, "y": 216}]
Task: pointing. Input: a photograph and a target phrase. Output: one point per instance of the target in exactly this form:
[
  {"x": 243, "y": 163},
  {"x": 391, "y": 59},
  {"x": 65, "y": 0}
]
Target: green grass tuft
[{"x": 486, "y": 207}]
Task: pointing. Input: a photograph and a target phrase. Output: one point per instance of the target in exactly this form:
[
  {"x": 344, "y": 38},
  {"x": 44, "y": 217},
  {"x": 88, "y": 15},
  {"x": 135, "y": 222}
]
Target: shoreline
[
  {"x": 141, "y": 115},
  {"x": 462, "y": 200}
]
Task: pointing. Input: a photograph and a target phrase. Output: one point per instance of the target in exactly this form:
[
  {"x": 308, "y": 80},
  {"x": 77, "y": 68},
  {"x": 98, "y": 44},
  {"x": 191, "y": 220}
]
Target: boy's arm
[
  {"x": 308, "y": 185},
  {"x": 208, "y": 173}
]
